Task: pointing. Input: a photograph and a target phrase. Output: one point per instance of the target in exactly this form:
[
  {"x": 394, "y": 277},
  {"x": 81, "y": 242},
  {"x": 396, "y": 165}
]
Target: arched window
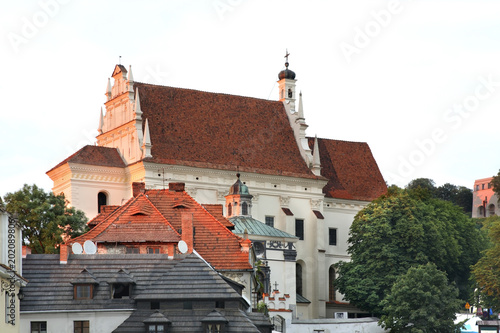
[
  {"x": 102, "y": 200},
  {"x": 279, "y": 323},
  {"x": 229, "y": 210},
  {"x": 331, "y": 284},
  {"x": 244, "y": 208},
  {"x": 491, "y": 210},
  {"x": 298, "y": 279}
]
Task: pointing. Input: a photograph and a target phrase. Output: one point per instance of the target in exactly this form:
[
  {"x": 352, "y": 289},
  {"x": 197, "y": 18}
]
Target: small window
[
  {"x": 120, "y": 290},
  {"x": 299, "y": 228},
  {"x": 133, "y": 250},
  {"x": 102, "y": 200},
  {"x": 477, "y": 187},
  {"x": 482, "y": 186},
  {"x": 229, "y": 210},
  {"x": 491, "y": 210},
  {"x": 244, "y": 208},
  {"x": 156, "y": 328},
  {"x": 214, "y": 328},
  {"x": 38, "y": 327},
  {"x": 155, "y": 305},
  {"x": 270, "y": 221},
  {"x": 220, "y": 304},
  {"x": 83, "y": 291},
  {"x": 81, "y": 326},
  {"x": 298, "y": 279},
  {"x": 153, "y": 250},
  {"x": 332, "y": 236}
]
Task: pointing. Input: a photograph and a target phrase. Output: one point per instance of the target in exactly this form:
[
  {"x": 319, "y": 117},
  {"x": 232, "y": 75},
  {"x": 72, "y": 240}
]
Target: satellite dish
[
  {"x": 89, "y": 247},
  {"x": 77, "y": 248},
  {"x": 183, "y": 247}
]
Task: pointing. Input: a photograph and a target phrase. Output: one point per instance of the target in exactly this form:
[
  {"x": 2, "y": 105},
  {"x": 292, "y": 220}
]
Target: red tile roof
[
  {"x": 95, "y": 155},
  {"x": 137, "y": 220},
  {"x": 212, "y": 240},
  {"x": 351, "y": 169},
  {"x": 213, "y": 130},
  {"x": 155, "y": 216},
  {"x": 217, "y": 211}
]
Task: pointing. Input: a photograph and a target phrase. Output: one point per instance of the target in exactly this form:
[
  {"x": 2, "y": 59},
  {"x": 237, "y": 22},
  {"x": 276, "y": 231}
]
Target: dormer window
[
  {"x": 156, "y": 328},
  {"x": 214, "y": 322},
  {"x": 120, "y": 290},
  {"x": 157, "y": 323},
  {"x": 214, "y": 328},
  {"x": 83, "y": 291}
]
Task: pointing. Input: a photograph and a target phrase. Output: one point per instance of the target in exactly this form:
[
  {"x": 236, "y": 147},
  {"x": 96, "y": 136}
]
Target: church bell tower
[{"x": 287, "y": 85}]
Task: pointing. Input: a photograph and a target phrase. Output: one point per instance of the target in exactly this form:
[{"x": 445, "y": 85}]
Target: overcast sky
[{"x": 419, "y": 81}]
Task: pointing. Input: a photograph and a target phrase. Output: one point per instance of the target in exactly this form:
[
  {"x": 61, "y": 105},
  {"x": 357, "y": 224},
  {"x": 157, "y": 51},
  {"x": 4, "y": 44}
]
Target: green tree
[
  {"x": 422, "y": 300},
  {"x": 402, "y": 229},
  {"x": 486, "y": 272},
  {"x": 422, "y": 183},
  {"x": 495, "y": 183},
  {"x": 45, "y": 218}
]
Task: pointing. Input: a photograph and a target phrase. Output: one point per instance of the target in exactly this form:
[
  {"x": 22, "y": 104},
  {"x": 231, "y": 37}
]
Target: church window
[
  {"x": 83, "y": 291},
  {"x": 81, "y": 326},
  {"x": 102, "y": 200},
  {"x": 299, "y": 228},
  {"x": 244, "y": 208},
  {"x": 332, "y": 236},
  {"x": 331, "y": 284},
  {"x": 298, "y": 279},
  {"x": 229, "y": 210},
  {"x": 270, "y": 221},
  {"x": 290, "y": 94},
  {"x": 279, "y": 323}
]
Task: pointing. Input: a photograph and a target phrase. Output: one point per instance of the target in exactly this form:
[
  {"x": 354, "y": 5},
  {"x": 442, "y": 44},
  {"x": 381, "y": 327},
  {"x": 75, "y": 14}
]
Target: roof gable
[
  {"x": 95, "y": 155},
  {"x": 351, "y": 170}
]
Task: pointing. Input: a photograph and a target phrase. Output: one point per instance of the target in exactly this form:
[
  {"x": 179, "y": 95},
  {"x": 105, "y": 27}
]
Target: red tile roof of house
[
  {"x": 212, "y": 240},
  {"x": 137, "y": 220},
  {"x": 95, "y": 155},
  {"x": 156, "y": 216},
  {"x": 351, "y": 169},
  {"x": 220, "y": 131},
  {"x": 217, "y": 211}
]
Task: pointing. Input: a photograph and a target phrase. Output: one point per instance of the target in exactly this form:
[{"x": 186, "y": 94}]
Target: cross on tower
[
  {"x": 275, "y": 285},
  {"x": 286, "y": 55}
]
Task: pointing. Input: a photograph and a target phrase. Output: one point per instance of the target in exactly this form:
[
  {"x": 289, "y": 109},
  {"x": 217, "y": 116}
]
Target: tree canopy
[
  {"x": 44, "y": 217},
  {"x": 486, "y": 271},
  {"x": 421, "y": 300},
  {"x": 458, "y": 195},
  {"x": 402, "y": 229}
]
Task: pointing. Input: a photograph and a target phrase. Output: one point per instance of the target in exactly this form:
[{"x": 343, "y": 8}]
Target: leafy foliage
[
  {"x": 486, "y": 271},
  {"x": 495, "y": 182},
  {"x": 406, "y": 228},
  {"x": 44, "y": 217},
  {"x": 421, "y": 301}
]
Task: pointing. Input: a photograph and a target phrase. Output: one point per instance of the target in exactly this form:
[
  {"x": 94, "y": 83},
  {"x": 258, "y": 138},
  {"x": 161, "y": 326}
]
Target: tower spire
[
  {"x": 287, "y": 85},
  {"x": 138, "y": 111},
  {"x": 146, "y": 146},
  {"x": 108, "y": 89},
  {"x": 101, "y": 122},
  {"x": 316, "y": 163}
]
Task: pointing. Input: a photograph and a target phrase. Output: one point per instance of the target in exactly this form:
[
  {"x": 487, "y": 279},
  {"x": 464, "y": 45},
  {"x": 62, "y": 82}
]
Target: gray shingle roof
[{"x": 255, "y": 227}]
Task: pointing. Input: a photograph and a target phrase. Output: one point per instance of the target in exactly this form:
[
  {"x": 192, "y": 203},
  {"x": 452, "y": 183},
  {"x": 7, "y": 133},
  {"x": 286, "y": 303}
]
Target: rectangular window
[
  {"x": 270, "y": 221},
  {"x": 38, "y": 327},
  {"x": 82, "y": 291},
  {"x": 133, "y": 250},
  {"x": 299, "y": 228},
  {"x": 482, "y": 186},
  {"x": 120, "y": 290},
  {"x": 332, "y": 236},
  {"x": 477, "y": 187},
  {"x": 156, "y": 328},
  {"x": 81, "y": 326},
  {"x": 153, "y": 250}
]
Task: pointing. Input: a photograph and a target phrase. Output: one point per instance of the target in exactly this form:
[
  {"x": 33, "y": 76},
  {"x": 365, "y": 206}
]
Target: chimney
[
  {"x": 245, "y": 245},
  {"x": 138, "y": 188},
  {"x": 26, "y": 251},
  {"x": 187, "y": 229},
  {"x": 176, "y": 187},
  {"x": 63, "y": 254}
]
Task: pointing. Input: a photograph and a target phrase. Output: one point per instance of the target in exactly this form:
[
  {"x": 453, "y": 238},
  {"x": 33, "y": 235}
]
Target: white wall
[
  {"x": 57, "y": 322},
  {"x": 362, "y": 325}
]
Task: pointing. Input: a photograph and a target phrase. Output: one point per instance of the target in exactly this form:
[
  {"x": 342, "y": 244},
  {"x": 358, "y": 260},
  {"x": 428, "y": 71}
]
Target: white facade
[{"x": 103, "y": 321}]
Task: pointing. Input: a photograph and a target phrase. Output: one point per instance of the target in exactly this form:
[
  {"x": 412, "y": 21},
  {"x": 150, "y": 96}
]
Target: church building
[{"x": 305, "y": 186}]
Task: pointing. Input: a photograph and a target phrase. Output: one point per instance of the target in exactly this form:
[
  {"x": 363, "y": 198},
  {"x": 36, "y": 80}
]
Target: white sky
[{"x": 399, "y": 86}]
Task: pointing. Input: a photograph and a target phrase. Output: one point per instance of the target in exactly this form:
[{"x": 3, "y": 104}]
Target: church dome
[
  {"x": 286, "y": 73},
  {"x": 238, "y": 187}
]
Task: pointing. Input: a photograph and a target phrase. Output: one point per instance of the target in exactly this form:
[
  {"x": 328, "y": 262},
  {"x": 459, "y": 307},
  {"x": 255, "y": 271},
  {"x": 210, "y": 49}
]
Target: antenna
[
  {"x": 77, "y": 248},
  {"x": 89, "y": 247},
  {"x": 183, "y": 247}
]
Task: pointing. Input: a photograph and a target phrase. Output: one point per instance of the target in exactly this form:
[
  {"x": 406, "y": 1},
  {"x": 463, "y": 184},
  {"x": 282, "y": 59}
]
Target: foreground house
[
  {"x": 132, "y": 293},
  {"x": 308, "y": 187}
]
